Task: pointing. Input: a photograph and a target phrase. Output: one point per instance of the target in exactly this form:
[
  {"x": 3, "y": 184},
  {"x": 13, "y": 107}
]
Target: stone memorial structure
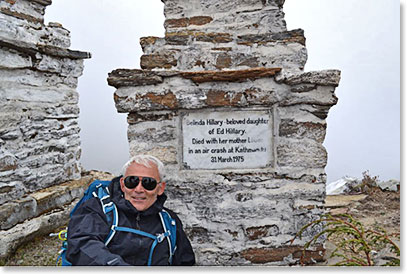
[
  {"x": 40, "y": 150},
  {"x": 222, "y": 99},
  {"x": 224, "y": 102}
]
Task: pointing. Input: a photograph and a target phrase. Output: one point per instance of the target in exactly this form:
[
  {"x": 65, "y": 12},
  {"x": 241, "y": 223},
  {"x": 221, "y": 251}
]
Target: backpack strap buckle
[{"x": 160, "y": 237}]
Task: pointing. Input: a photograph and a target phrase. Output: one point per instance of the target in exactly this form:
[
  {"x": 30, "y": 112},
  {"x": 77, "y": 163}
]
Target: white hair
[{"x": 145, "y": 160}]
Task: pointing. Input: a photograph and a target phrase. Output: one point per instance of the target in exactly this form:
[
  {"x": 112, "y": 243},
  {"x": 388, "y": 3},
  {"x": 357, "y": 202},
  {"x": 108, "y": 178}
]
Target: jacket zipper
[{"x": 137, "y": 221}]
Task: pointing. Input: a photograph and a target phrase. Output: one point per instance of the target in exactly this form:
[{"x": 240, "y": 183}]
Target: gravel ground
[{"x": 43, "y": 251}]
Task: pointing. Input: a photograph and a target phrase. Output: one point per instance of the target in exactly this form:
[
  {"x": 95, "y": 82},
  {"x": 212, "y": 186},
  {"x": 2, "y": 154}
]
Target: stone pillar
[
  {"x": 223, "y": 101},
  {"x": 39, "y": 131}
]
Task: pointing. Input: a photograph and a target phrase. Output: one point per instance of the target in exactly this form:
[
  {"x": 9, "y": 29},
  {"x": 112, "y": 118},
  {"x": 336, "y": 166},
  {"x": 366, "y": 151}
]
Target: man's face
[{"x": 139, "y": 197}]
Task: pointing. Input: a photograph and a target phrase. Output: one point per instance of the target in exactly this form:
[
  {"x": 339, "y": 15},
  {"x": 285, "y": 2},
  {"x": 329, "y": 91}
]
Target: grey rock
[{"x": 390, "y": 185}]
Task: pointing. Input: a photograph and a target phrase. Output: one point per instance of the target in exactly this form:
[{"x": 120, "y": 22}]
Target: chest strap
[{"x": 157, "y": 238}]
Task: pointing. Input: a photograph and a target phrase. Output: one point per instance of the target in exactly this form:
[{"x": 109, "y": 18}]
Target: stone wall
[
  {"x": 225, "y": 61},
  {"x": 39, "y": 131}
]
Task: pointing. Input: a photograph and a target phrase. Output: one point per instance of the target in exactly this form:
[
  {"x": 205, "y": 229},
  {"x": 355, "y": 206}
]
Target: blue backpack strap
[
  {"x": 89, "y": 193},
  {"x": 109, "y": 208},
  {"x": 170, "y": 228}
]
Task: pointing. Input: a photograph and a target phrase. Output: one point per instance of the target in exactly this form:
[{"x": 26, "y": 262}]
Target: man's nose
[{"x": 139, "y": 187}]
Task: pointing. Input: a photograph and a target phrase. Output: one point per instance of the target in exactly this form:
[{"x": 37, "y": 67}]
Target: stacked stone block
[
  {"x": 39, "y": 130},
  {"x": 208, "y": 35},
  {"x": 233, "y": 56}
]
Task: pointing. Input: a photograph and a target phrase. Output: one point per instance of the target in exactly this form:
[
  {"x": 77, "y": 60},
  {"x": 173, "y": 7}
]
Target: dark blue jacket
[{"x": 88, "y": 228}]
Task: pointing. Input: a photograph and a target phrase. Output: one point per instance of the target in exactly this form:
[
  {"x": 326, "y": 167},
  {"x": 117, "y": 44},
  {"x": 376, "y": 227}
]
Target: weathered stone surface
[
  {"x": 222, "y": 98},
  {"x": 336, "y": 201},
  {"x": 167, "y": 100},
  {"x": 12, "y": 59},
  {"x": 123, "y": 77},
  {"x": 63, "y": 53},
  {"x": 43, "y": 2},
  {"x": 178, "y": 39},
  {"x": 293, "y": 36},
  {"x": 223, "y": 61},
  {"x": 7, "y": 162},
  {"x": 176, "y": 8},
  {"x": 148, "y": 41},
  {"x": 41, "y": 212},
  {"x": 158, "y": 61},
  {"x": 255, "y": 233},
  {"x": 214, "y": 37},
  {"x": 15, "y": 212},
  {"x": 134, "y": 118},
  {"x": 320, "y": 111},
  {"x": 193, "y": 57},
  {"x": 230, "y": 76},
  {"x": 183, "y": 38},
  {"x": 31, "y": 12},
  {"x": 22, "y": 32},
  {"x": 324, "y": 77},
  {"x": 12, "y": 238},
  {"x": 390, "y": 185},
  {"x": 299, "y": 130},
  {"x": 168, "y": 154},
  {"x": 207, "y": 94},
  {"x": 39, "y": 131},
  {"x": 301, "y": 154},
  {"x": 266, "y": 255},
  {"x": 303, "y": 87},
  {"x": 185, "y": 22}
]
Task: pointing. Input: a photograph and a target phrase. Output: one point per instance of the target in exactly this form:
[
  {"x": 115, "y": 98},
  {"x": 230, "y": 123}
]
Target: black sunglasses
[{"x": 147, "y": 182}]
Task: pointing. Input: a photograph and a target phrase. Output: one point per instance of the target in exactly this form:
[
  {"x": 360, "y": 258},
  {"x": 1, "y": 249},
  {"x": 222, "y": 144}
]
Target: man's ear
[
  {"x": 161, "y": 188},
  {"x": 122, "y": 184}
]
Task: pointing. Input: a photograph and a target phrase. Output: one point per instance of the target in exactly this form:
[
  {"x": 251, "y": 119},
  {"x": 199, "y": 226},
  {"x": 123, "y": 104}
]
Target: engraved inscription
[{"x": 227, "y": 140}]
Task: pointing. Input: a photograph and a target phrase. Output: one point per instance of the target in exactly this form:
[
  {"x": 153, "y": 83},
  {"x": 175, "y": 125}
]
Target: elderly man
[{"x": 140, "y": 236}]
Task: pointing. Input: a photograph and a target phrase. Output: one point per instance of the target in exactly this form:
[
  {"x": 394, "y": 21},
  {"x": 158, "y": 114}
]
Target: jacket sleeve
[
  {"x": 184, "y": 255},
  {"x": 87, "y": 230}
]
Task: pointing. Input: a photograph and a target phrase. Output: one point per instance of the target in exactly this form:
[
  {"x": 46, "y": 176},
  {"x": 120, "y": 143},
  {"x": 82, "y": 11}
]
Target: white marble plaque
[{"x": 227, "y": 140}]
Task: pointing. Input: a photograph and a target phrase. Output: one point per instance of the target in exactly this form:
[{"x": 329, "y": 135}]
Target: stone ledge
[
  {"x": 32, "y": 50},
  {"x": 323, "y": 77},
  {"x": 136, "y": 77},
  {"x": 43, "y": 2},
  {"x": 230, "y": 75},
  {"x": 336, "y": 201},
  {"x": 37, "y": 203},
  {"x": 49, "y": 209},
  {"x": 139, "y": 90},
  {"x": 23, "y": 233},
  {"x": 44, "y": 200}
]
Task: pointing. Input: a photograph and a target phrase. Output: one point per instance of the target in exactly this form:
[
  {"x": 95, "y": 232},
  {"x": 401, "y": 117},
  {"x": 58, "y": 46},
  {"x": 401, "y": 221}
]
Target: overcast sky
[{"x": 359, "y": 37}]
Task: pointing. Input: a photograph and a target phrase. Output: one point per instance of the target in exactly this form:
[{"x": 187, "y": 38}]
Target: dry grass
[{"x": 43, "y": 251}]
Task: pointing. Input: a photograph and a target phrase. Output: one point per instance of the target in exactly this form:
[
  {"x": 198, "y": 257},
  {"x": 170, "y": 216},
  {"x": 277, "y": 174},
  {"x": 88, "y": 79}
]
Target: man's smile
[{"x": 138, "y": 198}]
